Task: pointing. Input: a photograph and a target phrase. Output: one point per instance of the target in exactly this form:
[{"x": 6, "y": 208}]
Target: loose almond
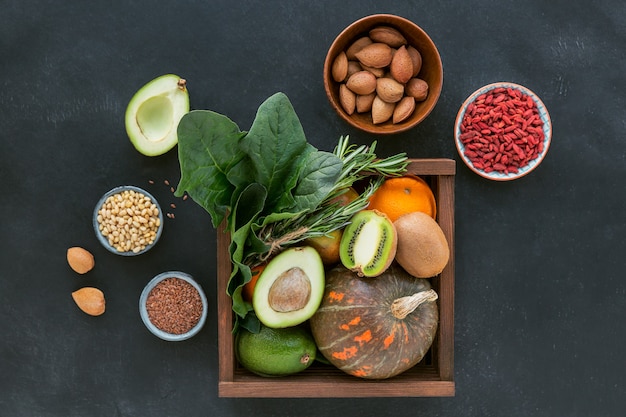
[
  {"x": 80, "y": 260},
  {"x": 403, "y": 109},
  {"x": 389, "y": 90},
  {"x": 417, "y": 88},
  {"x": 340, "y": 67},
  {"x": 387, "y": 35},
  {"x": 416, "y": 57},
  {"x": 401, "y": 67},
  {"x": 364, "y": 103},
  {"x": 381, "y": 110},
  {"x": 362, "y": 82},
  {"x": 377, "y": 55},
  {"x": 347, "y": 99},
  {"x": 90, "y": 300},
  {"x": 356, "y": 46}
]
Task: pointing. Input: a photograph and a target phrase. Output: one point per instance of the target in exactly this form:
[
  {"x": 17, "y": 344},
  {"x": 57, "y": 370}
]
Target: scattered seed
[
  {"x": 173, "y": 205},
  {"x": 166, "y": 182},
  {"x": 185, "y": 197},
  {"x": 172, "y": 189},
  {"x": 150, "y": 182}
]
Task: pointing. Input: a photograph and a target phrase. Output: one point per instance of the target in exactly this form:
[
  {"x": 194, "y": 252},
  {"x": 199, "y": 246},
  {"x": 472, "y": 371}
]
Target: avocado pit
[
  {"x": 290, "y": 288},
  {"x": 291, "y": 291}
]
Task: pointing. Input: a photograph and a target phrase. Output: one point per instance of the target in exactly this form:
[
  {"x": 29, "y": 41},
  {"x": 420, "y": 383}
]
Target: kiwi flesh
[
  {"x": 423, "y": 249},
  {"x": 368, "y": 244}
]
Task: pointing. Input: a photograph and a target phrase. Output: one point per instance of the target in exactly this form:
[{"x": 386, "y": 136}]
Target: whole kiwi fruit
[{"x": 423, "y": 249}]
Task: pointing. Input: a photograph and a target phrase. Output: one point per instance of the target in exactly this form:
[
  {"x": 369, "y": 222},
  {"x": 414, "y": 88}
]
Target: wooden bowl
[{"x": 431, "y": 71}]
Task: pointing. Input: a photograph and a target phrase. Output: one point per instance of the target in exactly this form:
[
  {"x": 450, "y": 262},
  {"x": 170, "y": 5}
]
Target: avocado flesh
[
  {"x": 153, "y": 114},
  {"x": 303, "y": 265}
]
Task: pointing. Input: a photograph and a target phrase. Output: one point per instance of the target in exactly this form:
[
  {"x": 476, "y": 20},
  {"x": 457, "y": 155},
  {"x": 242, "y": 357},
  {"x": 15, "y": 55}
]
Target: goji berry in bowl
[
  {"x": 173, "y": 306},
  {"x": 128, "y": 220},
  {"x": 503, "y": 131}
]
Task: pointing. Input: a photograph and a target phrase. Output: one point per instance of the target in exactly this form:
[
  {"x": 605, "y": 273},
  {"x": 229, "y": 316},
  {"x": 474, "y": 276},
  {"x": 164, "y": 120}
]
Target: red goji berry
[{"x": 502, "y": 130}]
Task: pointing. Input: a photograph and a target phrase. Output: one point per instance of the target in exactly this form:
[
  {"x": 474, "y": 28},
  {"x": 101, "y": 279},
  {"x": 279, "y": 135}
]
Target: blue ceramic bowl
[
  {"x": 104, "y": 240},
  {"x": 462, "y": 145},
  {"x": 143, "y": 311}
]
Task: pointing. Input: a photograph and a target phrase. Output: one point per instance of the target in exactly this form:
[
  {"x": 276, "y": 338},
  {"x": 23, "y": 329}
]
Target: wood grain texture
[{"x": 433, "y": 377}]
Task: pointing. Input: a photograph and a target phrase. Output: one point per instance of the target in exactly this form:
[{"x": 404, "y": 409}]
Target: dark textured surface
[{"x": 540, "y": 290}]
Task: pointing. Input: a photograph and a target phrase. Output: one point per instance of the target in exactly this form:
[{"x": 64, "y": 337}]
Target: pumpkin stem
[{"x": 403, "y": 306}]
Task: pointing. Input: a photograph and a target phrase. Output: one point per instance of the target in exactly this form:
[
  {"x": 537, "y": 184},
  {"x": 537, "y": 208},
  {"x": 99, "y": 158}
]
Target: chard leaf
[{"x": 207, "y": 151}]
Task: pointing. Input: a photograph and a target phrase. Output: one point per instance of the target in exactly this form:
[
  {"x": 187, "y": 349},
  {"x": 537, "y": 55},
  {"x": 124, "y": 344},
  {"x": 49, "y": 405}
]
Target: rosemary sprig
[{"x": 360, "y": 163}]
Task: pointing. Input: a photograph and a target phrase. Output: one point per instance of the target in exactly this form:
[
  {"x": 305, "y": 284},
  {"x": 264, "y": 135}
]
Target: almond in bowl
[{"x": 399, "y": 58}]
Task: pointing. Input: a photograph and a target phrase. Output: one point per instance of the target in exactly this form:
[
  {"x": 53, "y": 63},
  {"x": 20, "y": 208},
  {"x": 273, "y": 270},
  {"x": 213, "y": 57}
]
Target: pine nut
[{"x": 129, "y": 220}]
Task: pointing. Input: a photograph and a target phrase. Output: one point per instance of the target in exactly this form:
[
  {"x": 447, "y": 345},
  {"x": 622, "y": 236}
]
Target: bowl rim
[
  {"x": 547, "y": 130},
  {"x": 117, "y": 190},
  {"x": 371, "y": 20},
  {"x": 143, "y": 312}
]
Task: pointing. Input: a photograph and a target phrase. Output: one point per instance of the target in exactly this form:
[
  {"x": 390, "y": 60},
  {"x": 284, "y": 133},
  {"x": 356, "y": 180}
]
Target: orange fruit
[
  {"x": 248, "y": 288},
  {"x": 345, "y": 198},
  {"x": 402, "y": 195},
  {"x": 327, "y": 247}
]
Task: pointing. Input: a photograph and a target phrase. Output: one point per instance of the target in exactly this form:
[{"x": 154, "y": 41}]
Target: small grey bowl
[
  {"x": 104, "y": 241},
  {"x": 143, "y": 311}
]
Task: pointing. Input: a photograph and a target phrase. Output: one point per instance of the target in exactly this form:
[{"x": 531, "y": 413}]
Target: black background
[{"x": 540, "y": 288}]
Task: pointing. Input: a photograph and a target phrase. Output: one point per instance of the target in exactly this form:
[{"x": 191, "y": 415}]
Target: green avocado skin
[
  {"x": 154, "y": 112},
  {"x": 275, "y": 352}
]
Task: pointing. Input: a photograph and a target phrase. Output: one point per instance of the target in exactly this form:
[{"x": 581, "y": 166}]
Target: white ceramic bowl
[
  {"x": 495, "y": 126},
  {"x": 143, "y": 311},
  {"x": 96, "y": 225}
]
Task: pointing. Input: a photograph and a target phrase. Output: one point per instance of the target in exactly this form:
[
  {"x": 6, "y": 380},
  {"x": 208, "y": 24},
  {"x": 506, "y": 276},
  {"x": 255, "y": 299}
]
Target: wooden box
[{"x": 432, "y": 377}]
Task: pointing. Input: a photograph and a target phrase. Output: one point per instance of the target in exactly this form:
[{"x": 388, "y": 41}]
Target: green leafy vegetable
[
  {"x": 270, "y": 170},
  {"x": 208, "y": 152},
  {"x": 269, "y": 185}
]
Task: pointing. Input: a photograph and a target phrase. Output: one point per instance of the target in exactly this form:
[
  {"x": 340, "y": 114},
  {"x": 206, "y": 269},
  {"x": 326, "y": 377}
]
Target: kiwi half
[{"x": 368, "y": 244}]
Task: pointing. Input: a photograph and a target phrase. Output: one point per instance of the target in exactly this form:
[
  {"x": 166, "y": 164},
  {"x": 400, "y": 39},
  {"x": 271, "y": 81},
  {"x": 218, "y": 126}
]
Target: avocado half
[
  {"x": 290, "y": 288},
  {"x": 153, "y": 114}
]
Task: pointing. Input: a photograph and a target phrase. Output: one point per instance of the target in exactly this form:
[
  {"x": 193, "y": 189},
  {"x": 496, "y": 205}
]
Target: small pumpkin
[{"x": 375, "y": 328}]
